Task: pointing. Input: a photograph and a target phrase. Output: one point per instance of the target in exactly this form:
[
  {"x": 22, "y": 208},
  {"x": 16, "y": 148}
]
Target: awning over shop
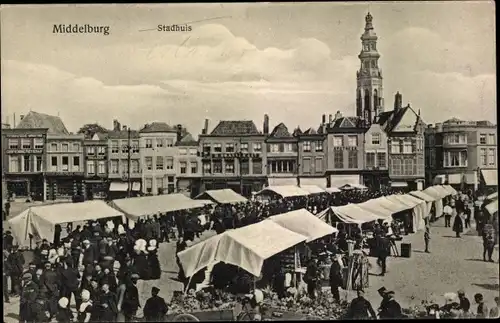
[
  {"x": 399, "y": 184},
  {"x": 490, "y": 177},
  {"x": 225, "y": 196},
  {"x": 282, "y": 181},
  {"x": 305, "y": 223},
  {"x": 136, "y": 186},
  {"x": 350, "y": 213},
  {"x": 341, "y": 180},
  {"x": 40, "y": 221},
  {"x": 424, "y": 196},
  {"x": 332, "y": 190},
  {"x": 312, "y": 189},
  {"x": 493, "y": 196},
  {"x": 123, "y": 186},
  {"x": 439, "y": 179},
  {"x": 137, "y": 207},
  {"x": 284, "y": 191},
  {"x": 455, "y": 179},
  {"x": 321, "y": 182},
  {"x": 246, "y": 247},
  {"x": 492, "y": 207},
  {"x": 450, "y": 189}
]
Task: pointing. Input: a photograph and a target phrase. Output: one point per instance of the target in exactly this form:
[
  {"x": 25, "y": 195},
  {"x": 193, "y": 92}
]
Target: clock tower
[{"x": 369, "y": 91}]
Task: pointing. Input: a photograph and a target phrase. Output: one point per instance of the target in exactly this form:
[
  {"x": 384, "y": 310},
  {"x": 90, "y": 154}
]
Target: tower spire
[{"x": 368, "y": 20}]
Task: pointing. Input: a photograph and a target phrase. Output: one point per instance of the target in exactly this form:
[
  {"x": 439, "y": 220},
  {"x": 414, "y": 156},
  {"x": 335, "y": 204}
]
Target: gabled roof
[
  {"x": 122, "y": 134},
  {"x": 100, "y": 136},
  {"x": 383, "y": 117},
  {"x": 297, "y": 131},
  {"x": 310, "y": 131},
  {"x": 41, "y": 120},
  {"x": 346, "y": 122},
  {"x": 280, "y": 131},
  {"x": 241, "y": 127},
  {"x": 157, "y": 127},
  {"x": 397, "y": 116},
  {"x": 188, "y": 141}
]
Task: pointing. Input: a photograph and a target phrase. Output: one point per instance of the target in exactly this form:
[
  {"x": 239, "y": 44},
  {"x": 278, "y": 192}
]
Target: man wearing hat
[
  {"x": 335, "y": 278},
  {"x": 29, "y": 294},
  {"x": 128, "y": 302},
  {"x": 15, "y": 262},
  {"x": 390, "y": 308},
  {"x": 464, "y": 302},
  {"x": 8, "y": 240},
  {"x": 107, "y": 305},
  {"x": 70, "y": 280},
  {"x": 361, "y": 308},
  {"x": 156, "y": 307},
  {"x": 89, "y": 254}
]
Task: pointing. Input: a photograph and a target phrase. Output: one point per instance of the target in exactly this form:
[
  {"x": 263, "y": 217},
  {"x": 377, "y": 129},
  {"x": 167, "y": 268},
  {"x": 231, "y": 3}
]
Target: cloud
[{"x": 185, "y": 78}]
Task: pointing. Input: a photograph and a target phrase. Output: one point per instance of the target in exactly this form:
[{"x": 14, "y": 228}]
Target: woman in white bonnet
[
  {"x": 154, "y": 263},
  {"x": 64, "y": 313},
  {"x": 85, "y": 310}
]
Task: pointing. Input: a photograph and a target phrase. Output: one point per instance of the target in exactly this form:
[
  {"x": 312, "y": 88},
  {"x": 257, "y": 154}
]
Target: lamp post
[{"x": 129, "y": 158}]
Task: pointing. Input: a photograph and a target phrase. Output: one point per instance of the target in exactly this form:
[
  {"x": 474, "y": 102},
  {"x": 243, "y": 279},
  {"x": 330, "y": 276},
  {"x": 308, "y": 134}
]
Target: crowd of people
[{"x": 99, "y": 264}]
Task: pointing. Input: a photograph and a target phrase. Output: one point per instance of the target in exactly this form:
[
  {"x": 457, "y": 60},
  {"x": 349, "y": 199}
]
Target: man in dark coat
[
  {"x": 467, "y": 213},
  {"x": 361, "y": 308},
  {"x": 50, "y": 283},
  {"x": 29, "y": 294},
  {"x": 89, "y": 253},
  {"x": 8, "y": 240},
  {"x": 155, "y": 308},
  {"x": 15, "y": 262},
  {"x": 335, "y": 279},
  {"x": 390, "y": 308},
  {"x": 311, "y": 277},
  {"x": 5, "y": 274},
  {"x": 108, "y": 309},
  {"x": 458, "y": 226},
  {"x": 69, "y": 282},
  {"x": 383, "y": 251},
  {"x": 129, "y": 303}
]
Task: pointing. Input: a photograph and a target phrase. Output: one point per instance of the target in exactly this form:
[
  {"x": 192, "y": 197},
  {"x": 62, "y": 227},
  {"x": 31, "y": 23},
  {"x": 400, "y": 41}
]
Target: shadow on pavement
[
  {"x": 476, "y": 259},
  {"x": 494, "y": 287},
  {"x": 13, "y": 316}
]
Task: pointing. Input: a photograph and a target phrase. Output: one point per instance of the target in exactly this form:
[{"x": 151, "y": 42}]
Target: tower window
[
  {"x": 366, "y": 64},
  {"x": 374, "y": 46},
  {"x": 374, "y": 64}
]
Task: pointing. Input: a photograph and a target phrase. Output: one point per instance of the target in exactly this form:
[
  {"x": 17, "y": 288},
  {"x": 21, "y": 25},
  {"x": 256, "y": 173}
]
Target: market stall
[
  {"x": 450, "y": 189},
  {"x": 332, "y": 190},
  {"x": 283, "y": 191},
  {"x": 437, "y": 200},
  {"x": 137, "y": 207},
  {"x": 312, "y": 189},
  {"x": 429, "y": 200},
  {"x": 350, "y": 213},
  {"x": 418, "y": 207},
  {"x": 493, "y": 196},
  {"x": 224, "y": 196},
  {"x": 40, "y": 221}
]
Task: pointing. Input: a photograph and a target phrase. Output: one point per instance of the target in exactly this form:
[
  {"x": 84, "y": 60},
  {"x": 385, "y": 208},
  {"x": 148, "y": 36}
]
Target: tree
[{"x": 90, "y": 129}]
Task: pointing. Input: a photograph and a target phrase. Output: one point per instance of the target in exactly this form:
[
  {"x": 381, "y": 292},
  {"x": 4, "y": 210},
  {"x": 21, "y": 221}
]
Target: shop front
[
  {"x": 25, "y": 186},
  {"x": 64, "y": 185},
  {"x": 189, "y": 186},
  {"x": 376, "y": 179},
  {"x": 118, "y": 189},
  {"x": 242, "y": 186},
  {"x": 95, "y": 188}
]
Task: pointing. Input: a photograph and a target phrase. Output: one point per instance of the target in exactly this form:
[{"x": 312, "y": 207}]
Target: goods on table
[{"x": 200, "y": 301}]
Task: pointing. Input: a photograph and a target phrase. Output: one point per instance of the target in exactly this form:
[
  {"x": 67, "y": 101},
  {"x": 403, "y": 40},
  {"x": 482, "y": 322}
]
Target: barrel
[{"x": 406, "y": 250}]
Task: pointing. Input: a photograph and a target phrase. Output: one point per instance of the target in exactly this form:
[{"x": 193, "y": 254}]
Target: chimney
[
  {"x": 124, "y": 128},
  {"x": 179, "y": 132},
  {"x": 338, "y": 115},
  {"x": 205, "y": 128},
  {"x": 323, "y": 119},
  {"x": 330, "y": 118},
  {"x": 398, "y": 101},
  {"x": 266, "y": 124},
  {"x": 21, "y": 117}
]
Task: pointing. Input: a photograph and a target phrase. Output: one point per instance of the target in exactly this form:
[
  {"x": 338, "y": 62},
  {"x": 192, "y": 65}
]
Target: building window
[
  {"x": 159, "y": 185},
  {"x": 53, "y": 147},
  {"x": 257, "y": 147},
  {"x": 159, "y": 162},
  {"x": 491, "y": 157},
  {"x": 149, "y": 143},
  {"x": 319, "y": 146},
  {"x": 135, "y": 146},
  {"x": 319, "y": 165},
  {"x": 170, "y": 163},
  {"x": 26, "y": 163},
  {"x": 149, "y": 163},
  {"x": 114, "y": 147},
  {"x": 207, "y": 168},
  {"x": 13, "y": 144},
  {"x": 289, "y": 148},
  {"x": 26, "y": 143},
  {"x": 125, "y": 149},
  {"x": 456, "y": 138},
  {"x": 101, "y": 151},
  {"x": 455, "y": 159},
  {"x": 217, "y": 166},
  {"x": 229, "y": 166},
  {"x": 135, "y": 166},
  {"x": 352, "y": 141},
  {"x": 306, "y": 146},
  {"x": 218, "y": 148},
  {"x": 65, "y": 163},
  {"x": 306, "y": 165},
  {"x": 64, "y": 147},
  {"x": 76, "y": 163},
  {"x": 244, "y": 147},
  {"x": 491, "y": 139},
  {"x": 244, "y": 166},
  {"x": 256, "y": 166},
  {"x": 432, "y": 158},
  {"x": 375, "y": 139},
  {"x": 281, "y": 166},
  {"x": 194, "y": 167},
  {"x": 14, "y": 164},
  {"x": 229, "y": 148},
  {"x": 381, "y": 160},
  {"x": 90, "y": 151},
  {"x": 207, "y": 148},
  {"x": 183, "y": 151},
  {"x": 124, "y": 166},
  {"x": 396, "y": 167},
  {"x": 90, "y": 167},
  {"x": 159, "y": 143},
  {"x": 408, "y": 166},
  {"x": 370, "y": 160},
  {"x": 193, "y": 151},
  {"x": 148, "y": 182},
  {"x": 274, "y": 148},
  {"x": 338, "y": 159},
  {"x": 38, "y": 163},
  {"x": 53, "y": 163},
  {"x": 76, "y": 147},
  {"x": 482, "y": 139},
  {"x": 395, "y": 147},
  {"x": 407, "y": 147},
  {"x": 338, "y": 141},
  {"x": 114, "y": 166},
  {"x": 183, "y": 167},
  {"x": 170, "y": 142},
  {"x": 353, "y": 159}
]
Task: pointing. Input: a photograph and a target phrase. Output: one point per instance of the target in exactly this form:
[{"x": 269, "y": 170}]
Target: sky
[{"x": 293, "y": 61}]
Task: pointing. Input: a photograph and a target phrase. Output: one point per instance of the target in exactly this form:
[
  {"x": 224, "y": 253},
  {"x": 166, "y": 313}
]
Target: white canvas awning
[
  {"x": 123, "y": 186},
  {"x": 391, "y": 204},
  {"x": 408, "y": 200},
  {"x": 341, "y": 180},
  {"x": 246, "y": 247},
  {"x": 305, "y": 223},
  {"x": 423, "y": 196},
  {"x": 434, "y": 192},
  {"x": 312, "y": 189},
  {"x": 492, "y": 207},
  {"x": 439, "y": 179},
  {"x": 281, "y": 181},
  {"x": 375, "y": 207},
  {"x": 40, "y": 221},
  {"x": 321, "y": 182},
  {"x": 450, "y": 189},
  {"x": 493, "y": 196},
  {"x": 284, "y": 191},
  {"x": 399, "y": 184},
  {"x": 225, "y": 196},
  {"x": 353, "y": 186},
  {"x": 352, "y": 213},
  {"x": 332, "y": 190},
  {"x": 455, "y": 179},
  {"x": 137, "y": 207},
  {"x": 490, "y": 177}
]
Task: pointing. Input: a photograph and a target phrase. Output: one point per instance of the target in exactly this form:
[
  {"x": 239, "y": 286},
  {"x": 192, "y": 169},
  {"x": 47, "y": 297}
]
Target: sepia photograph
[{"x": 249, "y": 161}]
